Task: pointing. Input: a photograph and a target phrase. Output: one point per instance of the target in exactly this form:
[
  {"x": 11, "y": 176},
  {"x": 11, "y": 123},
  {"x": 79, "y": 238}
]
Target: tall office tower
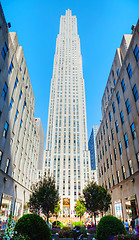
[
  {"x": 19, "y": 137},
  {"x": 93, "y": 152},
  {"x": 67, "y": 157},
  {"x": 118, "y": 136},
  {"x": 41, "y": 148}
]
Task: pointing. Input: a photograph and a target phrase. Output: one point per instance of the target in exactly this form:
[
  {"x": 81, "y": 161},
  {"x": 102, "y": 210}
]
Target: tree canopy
[
  {"x": 44, "y": 198},
  {"x": 96, "y": 199},
  {"x": 80, "y": 207}
]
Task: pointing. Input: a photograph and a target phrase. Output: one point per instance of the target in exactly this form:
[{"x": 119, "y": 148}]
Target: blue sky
[{"x": 101, "y": 25}]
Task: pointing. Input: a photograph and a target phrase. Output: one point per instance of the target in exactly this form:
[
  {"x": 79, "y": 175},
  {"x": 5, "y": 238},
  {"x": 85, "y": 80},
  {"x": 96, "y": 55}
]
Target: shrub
[
  {"x": 65, "y": 232},
  {"x": 109, "y": 226},
  {"x": 57, "y": 224},
  {"x": 126, "y": 237},
  {"x": 80, "y": 223},
  {"x": 33, "y": 226}
]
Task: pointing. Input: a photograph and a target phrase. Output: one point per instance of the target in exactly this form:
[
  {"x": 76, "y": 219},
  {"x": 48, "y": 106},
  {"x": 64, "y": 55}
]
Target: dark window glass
[
  {"x": 118, "y": 177},
  {"x": 133, "y": 131},
  {"x": 107, "y": 164},
  {"x": 5, "y": 129},
  {"x": 118, "y": 97},
  {"x": 1, "y": 155},
  {"x": 135, "y": 92},
  {"x": 107, "y": 124},
  {"x": 117, "y": 127},
  {"x": 113, "y": 106},
  {"x": 128, "y": 106},
  {"x": 112, "y": 134},
  {"x": 136, "y": 53},
  {"x": 10, "y": 68},
  {"x": 4, "y": 92},
  {"x": 114, "y": 82},
  {"x": 123, "y": 172},
  {"x": 120, "y": 148},
  {"x": 7, "y": 165},
  {"x": 16, "y": 82},
  {"x": 118, "y": 72},
  {"x": 4, "y": 50},
  {"x": 137, "y": 157},
  {"x": 126, "y": 140},
  {"x": 11, "y": 104},
  {"x": 129, "y": 71},
  {"x": 113, "y": 180},
  {"x": 16, "y": 115},
  {"x": 123, "y": 85},
  {"x": 20, "y": 95},
  {"x": 122, "y": 117},
  {"x": 111, "y": 159},
  {"x": 110, "y": 116}
]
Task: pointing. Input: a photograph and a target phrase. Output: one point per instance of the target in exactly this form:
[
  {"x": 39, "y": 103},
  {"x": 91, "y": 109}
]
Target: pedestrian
[
  {"x": 132, "y": 224},
  {"x": 127, "y": 226}
]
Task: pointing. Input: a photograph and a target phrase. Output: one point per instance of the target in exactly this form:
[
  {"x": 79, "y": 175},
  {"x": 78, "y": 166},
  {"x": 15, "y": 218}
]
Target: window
[
  {"x": 120, "y": 148},
  {"x": 107, "y": 164},
  {"x": 4, "y": 92},
  {"x": 133, "y": 131},
  {"x": 111, "y": 159},
  {"x": 16, "y": 115},
  {"x": 115, "y": 154},
  {"x": 5, "y": 129},
  {"x": 10, "y": 68},
  {"x": 123, "y": 172},
  {"x": 114, "y": 82},
  {"x": 113, "y": 106},
  {"x": 130, "y": 167},
  {"x": 112, "y": 134},
  {"x": 1, "y": 154},
  {"x": 135, "y": 93},
  {"x": 128, "y": 108},
  {"x": 16, "y": 82},
  {"x": 122, "y": 117},
  {"x": 7, "y": 165},
  {"x": 136, "y": 52},
  {"x": 4, "y": 50},
  {"x": 118, "y": 97},
  {"x": 118, "y": 72},
  {"x": 20, "y": 95},
  {"x": 107, "y": 124},
  {"x": 116, "y": 126},
  {"x": 109, "y": 140},
  {"x": 11, "y": 103},
  {"x": 110, "y": 116},
  {"x": 113, "y": 180},
  {"x": 118, "y": 176},
  {"x": 126, "y": 140},
  {"x": 123, "y": 85},
  {"x": 129, "y": 71}
]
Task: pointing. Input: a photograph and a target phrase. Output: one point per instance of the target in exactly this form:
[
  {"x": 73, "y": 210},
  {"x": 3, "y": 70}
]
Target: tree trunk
[
  {"x": 80, "y": 217},
  {"x": 95, "y": 218}
]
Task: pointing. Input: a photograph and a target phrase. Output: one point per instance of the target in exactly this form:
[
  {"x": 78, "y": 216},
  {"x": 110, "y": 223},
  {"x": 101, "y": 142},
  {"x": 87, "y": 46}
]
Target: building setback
[
  {"x": 67, "y": 157},
  {"x": 118, "y": 135},
  {"x": 41, "y": 148},
  {"x": 93, "y": 153},
  {"x": 19, "y": 138}
]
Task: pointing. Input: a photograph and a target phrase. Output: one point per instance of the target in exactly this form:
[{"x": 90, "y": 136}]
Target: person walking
[
  {"x": 132, "y": 224},
  {"x": 127, "y": 226}
]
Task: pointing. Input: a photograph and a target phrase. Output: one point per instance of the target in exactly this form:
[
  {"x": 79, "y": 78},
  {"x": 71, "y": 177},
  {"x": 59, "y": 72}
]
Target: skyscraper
[
  {"x": 67, "y": 157},
  {"x": 93, "y": 152}
]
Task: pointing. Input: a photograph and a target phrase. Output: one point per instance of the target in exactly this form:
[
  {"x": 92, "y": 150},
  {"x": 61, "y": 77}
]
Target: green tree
[
  {"x": 96, "y": 199},
  {"x": 80, "y": 207},
  {"x": 44, "y": 198},
  {"x": 57, "y": 210}
]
